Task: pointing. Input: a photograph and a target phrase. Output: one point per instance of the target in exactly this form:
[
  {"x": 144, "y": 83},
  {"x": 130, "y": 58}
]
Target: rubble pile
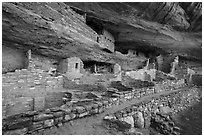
[
  {"x": 164, "y": 124},
  {"x": 156, "y": 113}
]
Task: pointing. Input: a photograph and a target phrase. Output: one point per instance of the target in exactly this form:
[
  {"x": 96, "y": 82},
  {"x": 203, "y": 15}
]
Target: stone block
[
  {"x": 117, "y": 102},
  {"x": 67, "y": 118},
  {"x": 93, "y": 111},
  {"x": 80, "y": 109},
  {"x": 118, "y": 115},
  {"x": 88, "y": 107},
  {"x": 94, "y": 105},
  {"x": 74, "y": 110},
  {"x": 139, "y": 120},
  {"x": 100, "y": 110},
  {"x": 128, "y": 96},
  {"x": 114, "y": 99},
  {"x": 66, "y": 109},
  {"x": 100, "y": 104},
  {"x": 105, "y": 102},
  {"x": 165, "y": 109},
  {"x": 122, "y": 95},
  {"x": 147, "y": 122},
  {"x": 36, "y": 126},
  {"x": 58, "y": 120},
  {"x": 59, "y": 124},
  {"x": 41, "y": 117},
  {"x": 58, "y": 114},
  {"x": 48, "y": 123},
  {"x": 128, "y": 110},
  {"x": 83, "y": 114},
  {"x": 73, "y": 116},
  {"x": 129, "y": 120},
  {"x": 55, "y": 109},
  {"x": 22, "y": 131}
]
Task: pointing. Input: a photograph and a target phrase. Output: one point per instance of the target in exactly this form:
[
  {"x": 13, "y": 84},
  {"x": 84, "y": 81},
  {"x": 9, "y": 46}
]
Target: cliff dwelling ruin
[{"x": 99, "y": 68}]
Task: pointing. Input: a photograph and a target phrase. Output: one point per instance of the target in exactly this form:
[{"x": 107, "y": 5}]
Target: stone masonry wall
[
  {"x": 169, "y": 84},
  {"x": 180, "y": 71},
  {"x": 135, "y": 53},
  {"x": 72, "y": 67},
  {"x": 141, "y": 74},
  {"x": 107, "y": 41},
  {"x": 175, "y": 102},
  {"x": 159, "y": 62},
  {"x": 43, "y": 63},
  {"x": 27, "y": 90},
  {"x": 33, "y": 121}
]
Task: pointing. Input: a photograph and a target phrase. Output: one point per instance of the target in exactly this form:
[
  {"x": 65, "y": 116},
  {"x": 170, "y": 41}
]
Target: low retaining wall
[
  {"x": 169, "y": 85},
  {"x": 173, "y": 103},
  {"x": 34, "y": 121}
]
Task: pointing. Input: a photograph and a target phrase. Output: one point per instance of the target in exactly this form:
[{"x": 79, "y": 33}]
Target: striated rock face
[
  {"x": 194, "y": 12},
  {"x": 169, "y": 13},
  {"x": 54, "y": 29},
  {"x": 51, "y": 29},
  {"x": 150, "y": 27}
]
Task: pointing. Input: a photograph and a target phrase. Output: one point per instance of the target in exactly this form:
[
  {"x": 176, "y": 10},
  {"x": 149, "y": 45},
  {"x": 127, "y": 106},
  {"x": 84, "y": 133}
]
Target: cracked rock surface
[{"x": 54, "y": 29}]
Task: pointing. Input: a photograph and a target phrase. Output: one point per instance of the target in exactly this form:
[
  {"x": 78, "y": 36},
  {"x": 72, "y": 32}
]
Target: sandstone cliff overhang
[{"x": 54, "y": 29}]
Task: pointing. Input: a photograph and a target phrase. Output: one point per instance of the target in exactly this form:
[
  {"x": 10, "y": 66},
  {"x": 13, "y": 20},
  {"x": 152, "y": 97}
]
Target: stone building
[
  {"x": 174, "y": 65},
  {"x": 15, "y": 59},
  {"x": 106, "y": 40},
  {"x": 72, "y": 67},
  {"x": 159, "y": 60},
  {"x": 136, "y": 53},
  {"x": 94, "y": 67}
]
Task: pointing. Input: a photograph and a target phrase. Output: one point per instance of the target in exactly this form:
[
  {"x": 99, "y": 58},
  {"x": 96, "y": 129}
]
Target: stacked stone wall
[
  {"x": 43, "y": 63},
  {"x": 30, "y": 122},
  {"x": 25, "y": 90},
  {"x": 160, "y": 108},
  {"x": 169, "y": 85},
  {"x": 142, "y": 74},
  {"x": 72, "y": 67},
  {"x": 107, "y": 41}
]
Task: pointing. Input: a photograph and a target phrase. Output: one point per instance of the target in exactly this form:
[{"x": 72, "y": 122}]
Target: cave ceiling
[{"x": 162, "y": 27}]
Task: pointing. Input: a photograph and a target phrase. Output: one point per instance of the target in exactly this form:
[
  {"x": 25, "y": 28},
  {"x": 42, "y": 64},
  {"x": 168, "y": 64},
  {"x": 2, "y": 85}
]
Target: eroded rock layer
[{"x": 58, "y": 29}]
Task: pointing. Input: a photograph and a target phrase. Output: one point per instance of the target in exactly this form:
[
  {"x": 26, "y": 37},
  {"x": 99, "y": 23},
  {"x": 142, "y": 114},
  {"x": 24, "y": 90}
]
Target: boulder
[
  {"x": 165, "y": 110},
  {"x": 138, "y": 120},
  {"x": 129, "y": 120},
  {"x": 109, "y": 117}
]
